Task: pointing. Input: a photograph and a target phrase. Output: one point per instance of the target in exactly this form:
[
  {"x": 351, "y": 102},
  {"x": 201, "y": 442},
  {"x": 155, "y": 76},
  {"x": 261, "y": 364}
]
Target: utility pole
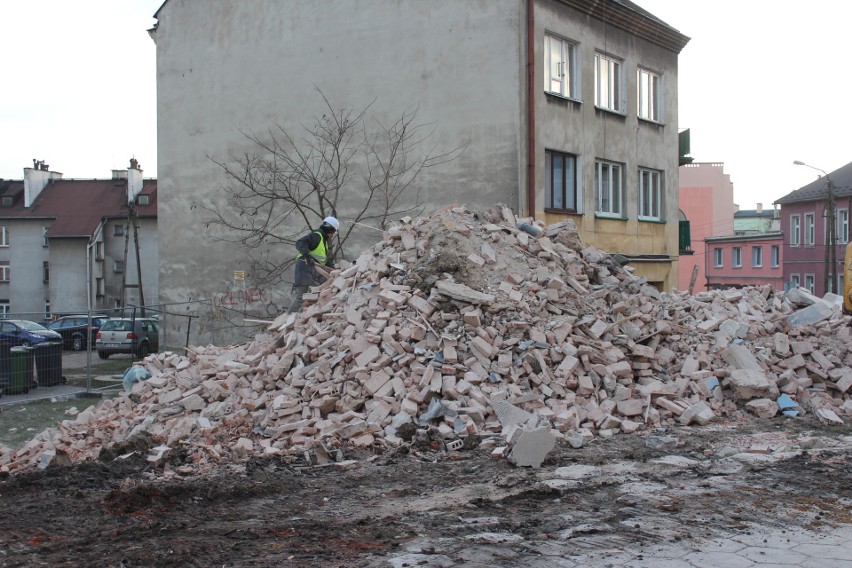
[
  {"x": 831, "y": 238},
  {"x": 132, "y": 223}
]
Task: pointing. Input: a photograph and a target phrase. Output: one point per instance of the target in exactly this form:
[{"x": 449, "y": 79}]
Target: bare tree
[{"x": 342, "y": 165}]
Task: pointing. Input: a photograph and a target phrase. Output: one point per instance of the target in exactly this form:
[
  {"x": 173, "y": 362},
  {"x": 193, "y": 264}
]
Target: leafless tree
[{"x": 344, "y": 165}]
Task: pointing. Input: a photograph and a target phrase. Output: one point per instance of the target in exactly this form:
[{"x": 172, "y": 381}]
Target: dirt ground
[{"x": 425, "y": 507}]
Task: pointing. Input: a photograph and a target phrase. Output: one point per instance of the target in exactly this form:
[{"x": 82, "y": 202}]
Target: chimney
[
  {"x": 36, "y": 179},
  {"x": 134, "y": 180},
  {"x": 759, "y": 208}
]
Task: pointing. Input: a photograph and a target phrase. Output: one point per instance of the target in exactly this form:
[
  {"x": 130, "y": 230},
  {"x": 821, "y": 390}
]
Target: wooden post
[{"x": 693, "y": 278}]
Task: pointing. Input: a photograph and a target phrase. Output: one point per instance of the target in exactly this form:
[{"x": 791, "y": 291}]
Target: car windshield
[
  {"x": 116, "y": 325},
  {"x": 31, "y": 326}
]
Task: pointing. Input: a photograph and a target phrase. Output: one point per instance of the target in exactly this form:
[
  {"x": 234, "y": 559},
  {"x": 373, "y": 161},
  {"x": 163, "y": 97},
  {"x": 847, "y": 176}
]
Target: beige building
[{"x": 568, "y": 109}]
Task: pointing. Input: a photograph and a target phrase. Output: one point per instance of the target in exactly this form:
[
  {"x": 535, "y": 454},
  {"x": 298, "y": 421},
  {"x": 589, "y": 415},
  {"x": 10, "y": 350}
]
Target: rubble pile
[{"x": 475, "y": 329}]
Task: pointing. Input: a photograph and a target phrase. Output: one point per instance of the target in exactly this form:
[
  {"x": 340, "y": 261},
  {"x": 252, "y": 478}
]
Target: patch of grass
[
  {"x": 115, "y": 364},
  {"x": 19, "y": 423}
]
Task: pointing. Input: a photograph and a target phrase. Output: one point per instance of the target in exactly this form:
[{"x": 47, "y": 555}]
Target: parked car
[
  {"x": 73, "y": 330},
  {"x": 22, "y": 332},
  {"x": 138, "y": 336}
]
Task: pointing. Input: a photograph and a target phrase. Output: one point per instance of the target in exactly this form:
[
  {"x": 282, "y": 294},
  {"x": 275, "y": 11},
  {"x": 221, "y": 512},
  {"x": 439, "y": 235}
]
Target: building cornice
[
  {"x": 771, "y": 236},
  {"x": 620, "y": 16}
]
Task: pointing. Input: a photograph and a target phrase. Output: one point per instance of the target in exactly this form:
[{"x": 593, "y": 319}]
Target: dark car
[
  {"x": 138, "y": 336},
  {"x": 74, "y": 330},
  {"x": 21, "y": 332}
]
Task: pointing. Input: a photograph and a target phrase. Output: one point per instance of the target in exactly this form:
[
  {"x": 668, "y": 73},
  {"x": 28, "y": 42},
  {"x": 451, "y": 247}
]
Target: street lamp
[{"x": 831, "y": 236}]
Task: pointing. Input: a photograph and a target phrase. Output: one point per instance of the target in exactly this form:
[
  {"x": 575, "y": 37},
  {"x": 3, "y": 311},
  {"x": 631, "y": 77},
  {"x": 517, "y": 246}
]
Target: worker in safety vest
[{"x": 312, "y": 248}]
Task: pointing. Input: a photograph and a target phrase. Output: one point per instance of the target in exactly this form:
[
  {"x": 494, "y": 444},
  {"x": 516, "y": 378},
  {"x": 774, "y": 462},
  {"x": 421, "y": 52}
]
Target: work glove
[{"x": 309, "y": 260}]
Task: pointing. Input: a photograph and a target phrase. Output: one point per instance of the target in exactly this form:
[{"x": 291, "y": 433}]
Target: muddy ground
[{"x": 412, "y": 507}]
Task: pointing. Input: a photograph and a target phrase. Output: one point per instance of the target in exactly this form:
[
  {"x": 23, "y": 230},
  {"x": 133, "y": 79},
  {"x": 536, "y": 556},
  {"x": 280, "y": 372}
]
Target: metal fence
[{"x": 84, "y": 372}]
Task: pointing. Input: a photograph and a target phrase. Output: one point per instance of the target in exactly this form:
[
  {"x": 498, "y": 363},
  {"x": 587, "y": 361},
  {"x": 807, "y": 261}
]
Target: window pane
[
  {"x": 615, "y": 95},
  {"x": 558, "y": 187},
  {"x": 570, "y": 180},
  {"x": 654, "y": 97},
  {"x": 555, "y": 65},
  {"x": 568, "y": 70},
  {"x": 548, "y": 180},
  {"x": 616, "y": 189}
]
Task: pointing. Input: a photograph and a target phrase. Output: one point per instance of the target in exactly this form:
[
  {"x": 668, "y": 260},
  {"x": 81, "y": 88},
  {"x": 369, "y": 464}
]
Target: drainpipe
[{"x": 531, "y": 107}]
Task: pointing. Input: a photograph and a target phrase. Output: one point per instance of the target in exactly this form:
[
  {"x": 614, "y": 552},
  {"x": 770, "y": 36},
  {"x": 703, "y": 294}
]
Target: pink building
[
  {"x": 744, "y": 260},
  {"x": 803, "y": 219},
  {"x": 706, "y": 196}
]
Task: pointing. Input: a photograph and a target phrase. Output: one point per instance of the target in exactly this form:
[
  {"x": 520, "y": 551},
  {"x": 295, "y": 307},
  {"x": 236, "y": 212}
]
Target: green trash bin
[{"x": 22, "y": 370}]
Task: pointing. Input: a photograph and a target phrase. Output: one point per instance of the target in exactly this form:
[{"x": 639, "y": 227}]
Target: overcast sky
[
  {"x": 79, "y": 86},
  {"x": 762, "y": 83}
]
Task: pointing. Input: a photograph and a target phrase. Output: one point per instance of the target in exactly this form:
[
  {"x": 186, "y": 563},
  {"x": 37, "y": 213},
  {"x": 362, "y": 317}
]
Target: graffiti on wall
[{"x": 247, "y": 301}]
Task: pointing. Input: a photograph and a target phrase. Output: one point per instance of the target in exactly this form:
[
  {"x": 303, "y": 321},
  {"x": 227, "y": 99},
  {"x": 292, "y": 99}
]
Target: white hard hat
[{"x": 332, "y": 222}]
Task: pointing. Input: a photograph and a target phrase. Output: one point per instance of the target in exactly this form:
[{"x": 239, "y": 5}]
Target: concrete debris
[
  {"x": 531, "y": 447},
  {"x": 474, "y": 326}
]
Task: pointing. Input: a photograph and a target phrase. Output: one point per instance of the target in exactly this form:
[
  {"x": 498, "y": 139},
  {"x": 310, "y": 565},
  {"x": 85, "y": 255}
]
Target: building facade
[
  {"x": 808, "y": 258},
  {"x": 706, "y": 197},
  {"x": 744, "y": 260},
  {"x": 756, "y": 221},
  {"x": 64, "y": 245},
  {"x": 567, "y": 110}
]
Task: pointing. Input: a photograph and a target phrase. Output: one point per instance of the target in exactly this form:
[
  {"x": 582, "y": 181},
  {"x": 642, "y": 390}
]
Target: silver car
[{"x": 138, "y": 336}]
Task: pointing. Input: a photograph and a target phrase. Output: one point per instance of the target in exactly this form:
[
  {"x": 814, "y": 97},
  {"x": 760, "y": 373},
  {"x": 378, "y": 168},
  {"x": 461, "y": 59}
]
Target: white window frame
[
  {"x": 560, "y": 76},
  {"x": 775, "y": 251},
  {"x": 650, "y": 194},
  {"x": 718, "y": 257},
  {"x": 5, "y": 309},
  {"x": 796, "y": 280},
  {"x": 756, "y": 257},
  {"x": 143, "y": 199},
  {"x": 5, "y": 272},
  {"x": 736, "y": 257},
  {"x": 4, "y": 236},
  {"x": 795, "y": 231},
  {"x": 45, "y": 272},
  {"x": 609, "y": 83},
  {"x": 648, "y": 95},
  {"x": 609, "y": 192},
  {"x": 47, "y": 315},
  {"x": 810, "y": 283},
  {"x": 841, "y": 224},
  {"x": 45, "y": 242},
  {"x": 118, "y": 266},
  {"x": 810, "y": 229},
  {"x": 570, "y": 189},
  {"x": 118, "y": 230}
]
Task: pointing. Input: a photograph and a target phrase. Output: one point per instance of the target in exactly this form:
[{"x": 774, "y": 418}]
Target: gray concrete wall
[
  {"x": 577, "y": 127},
  {"x": 26, "y": 290},
  {"x": 224, "y": 66},
  {"x": 68, "y": 275},
  {"x": 114, "y": 246}
]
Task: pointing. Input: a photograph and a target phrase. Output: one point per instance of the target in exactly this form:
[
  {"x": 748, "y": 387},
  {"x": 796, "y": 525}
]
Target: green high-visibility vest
[{"x": 319, "y": 253}]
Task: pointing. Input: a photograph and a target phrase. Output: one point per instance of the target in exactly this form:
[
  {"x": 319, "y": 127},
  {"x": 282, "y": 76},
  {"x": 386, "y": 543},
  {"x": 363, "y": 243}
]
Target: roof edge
[{"x": 648, "y": 27}]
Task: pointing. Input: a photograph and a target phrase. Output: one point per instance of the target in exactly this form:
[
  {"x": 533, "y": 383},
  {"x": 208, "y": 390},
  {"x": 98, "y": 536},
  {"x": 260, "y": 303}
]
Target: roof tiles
[{"x": 76, "y": 205}]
